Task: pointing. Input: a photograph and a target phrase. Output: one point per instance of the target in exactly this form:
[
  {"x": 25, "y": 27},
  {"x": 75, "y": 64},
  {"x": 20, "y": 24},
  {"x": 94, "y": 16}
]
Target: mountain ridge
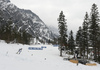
[{"x": 26, "y": 20}]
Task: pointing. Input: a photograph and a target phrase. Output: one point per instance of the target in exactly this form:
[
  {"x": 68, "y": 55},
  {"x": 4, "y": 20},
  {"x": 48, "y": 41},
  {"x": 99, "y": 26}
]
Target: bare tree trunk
[
  {"x": 87, "y": 52},
  {"x": 98, "y": 51},
  {"x": 84, "y": 52},
  {"x": 60, "y": 52},
  {"x": 95, "y": 54}
]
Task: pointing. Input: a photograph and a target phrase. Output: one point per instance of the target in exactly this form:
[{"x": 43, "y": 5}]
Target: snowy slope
[{"x": 46, "y": 59}]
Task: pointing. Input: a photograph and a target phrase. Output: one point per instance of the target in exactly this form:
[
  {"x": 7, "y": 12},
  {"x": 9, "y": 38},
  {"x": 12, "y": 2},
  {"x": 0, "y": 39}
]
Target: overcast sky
[{"x": 49, "y": 10}]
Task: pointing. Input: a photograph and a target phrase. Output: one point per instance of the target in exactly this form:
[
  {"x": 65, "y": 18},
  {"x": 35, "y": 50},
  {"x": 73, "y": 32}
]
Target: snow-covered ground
[{"x": 46, "y": 59}]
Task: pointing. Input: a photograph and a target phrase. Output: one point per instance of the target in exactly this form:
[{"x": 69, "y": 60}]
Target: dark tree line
[
  {"x": 89, "y": 34},
  {"x": 9, "y": 32},
  {"x": 82, "y": 36}
]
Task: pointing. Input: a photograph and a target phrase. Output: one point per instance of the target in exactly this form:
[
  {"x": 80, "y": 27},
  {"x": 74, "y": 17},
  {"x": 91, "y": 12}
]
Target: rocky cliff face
[{"x": 25, "y": 20}]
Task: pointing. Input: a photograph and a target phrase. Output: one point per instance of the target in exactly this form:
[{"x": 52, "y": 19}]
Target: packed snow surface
[{"x": 46, "y": 59}]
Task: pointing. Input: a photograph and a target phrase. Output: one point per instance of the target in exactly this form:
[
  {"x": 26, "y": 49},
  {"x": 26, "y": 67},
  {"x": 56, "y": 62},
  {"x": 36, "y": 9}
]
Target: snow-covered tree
[
  {"x": 85, "y": 33},
  {"x": 62, "y": 31},
  {"x": 94, "y": 28}
]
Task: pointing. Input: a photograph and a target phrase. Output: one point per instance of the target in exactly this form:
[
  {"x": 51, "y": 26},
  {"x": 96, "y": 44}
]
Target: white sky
[{"x": 49, "y": 10}]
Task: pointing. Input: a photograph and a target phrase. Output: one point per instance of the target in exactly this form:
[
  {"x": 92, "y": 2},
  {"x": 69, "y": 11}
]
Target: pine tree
[
  {"x": 79, "y": 39},
  {"x": 94, "y": 28},
  {"x": 62, "y": 31},
  {"x": 71, "y": 44},
  {"x": 85, "y": 34}
]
